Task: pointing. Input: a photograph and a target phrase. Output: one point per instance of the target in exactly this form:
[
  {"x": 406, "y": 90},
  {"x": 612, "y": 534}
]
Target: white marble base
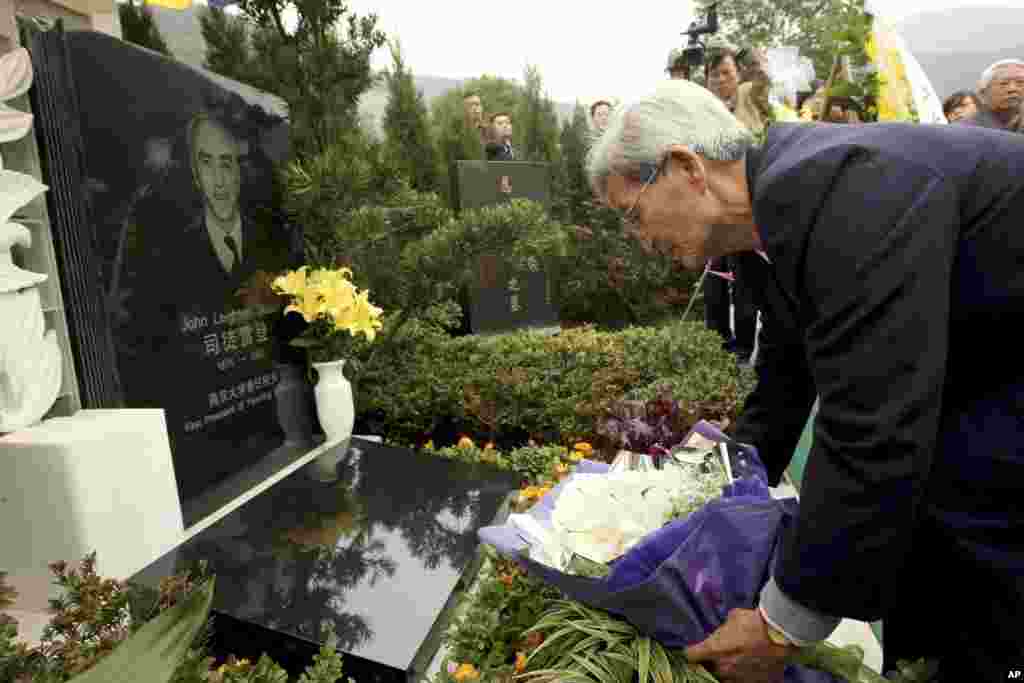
[{"x": 100, "y": 480}]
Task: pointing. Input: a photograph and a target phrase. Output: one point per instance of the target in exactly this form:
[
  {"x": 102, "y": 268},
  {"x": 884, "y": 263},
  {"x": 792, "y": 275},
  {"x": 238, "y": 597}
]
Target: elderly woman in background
[{"x": 960, "y": 105}]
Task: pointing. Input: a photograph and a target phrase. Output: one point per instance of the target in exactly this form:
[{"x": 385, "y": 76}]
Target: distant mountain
[
  {"x": 955, "y": 45},
  {"x": 181, "y": 30}
]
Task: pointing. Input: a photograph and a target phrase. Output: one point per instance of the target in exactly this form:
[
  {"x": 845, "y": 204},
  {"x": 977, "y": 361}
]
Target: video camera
[{"x": 693, "y": 53}]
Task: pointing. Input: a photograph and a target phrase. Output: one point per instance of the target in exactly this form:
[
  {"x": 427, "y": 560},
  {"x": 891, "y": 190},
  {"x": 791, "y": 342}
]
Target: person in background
[
  {"x": 841, "y": 110},
  {"x": 744, "y": 89},
  {"x": 960, "y": 105},
  {"x": 500, "y": 147},
  {"x": 474, "y": 110},
  {"x": 599, "y": 113},
  {"x": 677, "y": 67},
  {"x": 1001, "y": 91},
  {"x": 747, "y": 99}
]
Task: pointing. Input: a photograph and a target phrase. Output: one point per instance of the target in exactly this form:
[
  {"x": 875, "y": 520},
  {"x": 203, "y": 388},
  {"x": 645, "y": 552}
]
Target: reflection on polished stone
[
  {"x": 376, "y": 552},
  {"x": 197, "y": 508}
]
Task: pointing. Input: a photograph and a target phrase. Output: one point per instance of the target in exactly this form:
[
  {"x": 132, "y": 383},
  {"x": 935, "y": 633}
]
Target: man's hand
[{"x": 740, "y": 651}]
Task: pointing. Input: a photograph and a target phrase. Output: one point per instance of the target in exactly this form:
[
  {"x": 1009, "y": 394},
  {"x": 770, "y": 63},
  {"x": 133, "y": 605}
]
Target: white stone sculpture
[{"x": 30, "y": 359}]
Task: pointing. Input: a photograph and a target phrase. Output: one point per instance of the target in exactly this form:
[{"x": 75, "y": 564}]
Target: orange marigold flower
[
  {"x": 466, "y": 672},
  {"x": 584, "y": 448},
  {"x": 529, "y": 493},
  {"x": 520, "y": 662}
]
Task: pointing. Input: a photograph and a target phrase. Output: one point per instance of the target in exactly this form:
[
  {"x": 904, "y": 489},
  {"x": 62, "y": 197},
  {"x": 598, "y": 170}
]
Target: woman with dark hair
[{"x": 960, "y": 105}]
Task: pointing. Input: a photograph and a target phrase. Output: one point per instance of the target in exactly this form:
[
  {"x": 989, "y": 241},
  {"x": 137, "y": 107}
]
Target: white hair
[
  {"x": 990, "y": 73},
  {"x": 678, "y": 112}
]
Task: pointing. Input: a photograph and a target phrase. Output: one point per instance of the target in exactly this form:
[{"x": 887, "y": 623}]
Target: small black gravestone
[
  {"x": 375, "y": 549},
  {"x": 502, "y": 297},
  {"x": 179, "y": 174}
]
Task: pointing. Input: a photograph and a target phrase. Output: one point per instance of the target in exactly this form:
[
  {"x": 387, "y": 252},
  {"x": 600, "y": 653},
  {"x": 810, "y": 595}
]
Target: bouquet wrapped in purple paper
[{"x": 712, "y": 552}]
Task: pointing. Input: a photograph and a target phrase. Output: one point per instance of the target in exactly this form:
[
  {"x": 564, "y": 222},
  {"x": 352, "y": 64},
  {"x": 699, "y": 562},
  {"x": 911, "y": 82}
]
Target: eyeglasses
[{"x": 629, "y": 218}]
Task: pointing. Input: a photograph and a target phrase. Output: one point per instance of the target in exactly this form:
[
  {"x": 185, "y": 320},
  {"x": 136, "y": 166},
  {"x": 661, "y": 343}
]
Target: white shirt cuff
[{"x": 800, "y": 625}]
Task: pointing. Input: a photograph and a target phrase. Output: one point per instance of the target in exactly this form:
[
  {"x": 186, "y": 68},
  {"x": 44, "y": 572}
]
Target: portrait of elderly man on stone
[{"x": 222, "y": 245}]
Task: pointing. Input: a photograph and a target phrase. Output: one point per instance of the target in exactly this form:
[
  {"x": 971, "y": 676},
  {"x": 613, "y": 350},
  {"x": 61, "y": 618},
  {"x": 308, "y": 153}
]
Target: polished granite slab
[{"x": 369, "y": 538}]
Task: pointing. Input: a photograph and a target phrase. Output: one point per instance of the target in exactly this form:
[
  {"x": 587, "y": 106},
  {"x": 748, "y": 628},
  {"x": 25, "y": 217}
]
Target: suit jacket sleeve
[
  {"x": 776, "y": 411},
  {"x": 875, "y": 288}
]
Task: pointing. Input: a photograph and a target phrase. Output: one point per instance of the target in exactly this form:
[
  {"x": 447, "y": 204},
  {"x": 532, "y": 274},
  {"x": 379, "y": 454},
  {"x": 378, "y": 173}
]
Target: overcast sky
[{"x": 583, "y": 52}]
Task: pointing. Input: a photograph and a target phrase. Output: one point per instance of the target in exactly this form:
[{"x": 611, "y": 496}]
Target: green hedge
[{"x": 509, "y": 388}]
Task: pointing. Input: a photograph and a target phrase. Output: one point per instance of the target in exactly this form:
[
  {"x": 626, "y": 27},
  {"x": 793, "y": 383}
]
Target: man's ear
[{"x": 683, "y": 160}]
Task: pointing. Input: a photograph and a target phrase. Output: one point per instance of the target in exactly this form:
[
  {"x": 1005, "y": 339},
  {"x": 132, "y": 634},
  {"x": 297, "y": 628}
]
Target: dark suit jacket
[
  {"x": 496, "y": 151},
  {"x": 776, "y": 411},
  {"x": 205, "y": 276},
  {"x": 891, "y": 246}
]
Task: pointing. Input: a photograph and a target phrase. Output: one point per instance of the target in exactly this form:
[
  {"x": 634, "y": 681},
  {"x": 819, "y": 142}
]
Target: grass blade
[{"x": 643, "y": 656}]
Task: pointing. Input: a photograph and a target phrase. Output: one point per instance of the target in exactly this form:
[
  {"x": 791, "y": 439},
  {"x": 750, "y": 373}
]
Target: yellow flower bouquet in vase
[{"x": 342, "y": 322}]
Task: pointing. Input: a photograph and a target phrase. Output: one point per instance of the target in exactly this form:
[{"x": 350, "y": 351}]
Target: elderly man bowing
[{"x": 890, "y": 245}]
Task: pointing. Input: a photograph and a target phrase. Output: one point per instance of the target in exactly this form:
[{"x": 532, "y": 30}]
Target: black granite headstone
[
  {"x": 179, "y": 176},
  {"x": 377, "y": 553},
  {"x": 503, "y": 297}
]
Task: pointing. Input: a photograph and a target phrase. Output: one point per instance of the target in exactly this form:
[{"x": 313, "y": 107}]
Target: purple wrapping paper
[{"x": 678, "y": 584}]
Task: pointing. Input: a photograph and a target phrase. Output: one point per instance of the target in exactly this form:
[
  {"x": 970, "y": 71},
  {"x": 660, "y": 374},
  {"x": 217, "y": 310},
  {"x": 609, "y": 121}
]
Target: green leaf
[
  {"x": 153, "y": 652},
  {"x": 662, "y": 667},
  {"x": 601, "y": 674},
  {"x": 304, "y": 343},
  {"x": 643, "y": 647}
]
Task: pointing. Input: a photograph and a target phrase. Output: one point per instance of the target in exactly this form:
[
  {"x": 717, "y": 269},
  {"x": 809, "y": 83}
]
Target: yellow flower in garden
[
  {"x": 561, "y": 469},
  {"x": 466, "y": 672},
  {"x": 543, "y": 491},
  {"x": 575, "y": 456},
  {"x": 520, "y": 662},
  {"x": 429, "y": 445},
  {"x": 466, "y": 442},
  {"x": 583, "y": 447}
]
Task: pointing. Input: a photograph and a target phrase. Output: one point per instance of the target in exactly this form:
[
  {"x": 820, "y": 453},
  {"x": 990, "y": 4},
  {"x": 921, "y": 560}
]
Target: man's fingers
[{"x": 701, "y": 652}]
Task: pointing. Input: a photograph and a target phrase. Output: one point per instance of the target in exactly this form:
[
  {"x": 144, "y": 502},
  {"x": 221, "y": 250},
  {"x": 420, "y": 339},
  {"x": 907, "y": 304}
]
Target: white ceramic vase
[{"x": 334, "y": 405}]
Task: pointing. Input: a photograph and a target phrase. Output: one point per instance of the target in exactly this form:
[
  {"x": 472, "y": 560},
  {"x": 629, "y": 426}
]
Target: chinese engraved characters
[
  {"x": 233, "y": 339},
  {"x": 243, "y": 389}
]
